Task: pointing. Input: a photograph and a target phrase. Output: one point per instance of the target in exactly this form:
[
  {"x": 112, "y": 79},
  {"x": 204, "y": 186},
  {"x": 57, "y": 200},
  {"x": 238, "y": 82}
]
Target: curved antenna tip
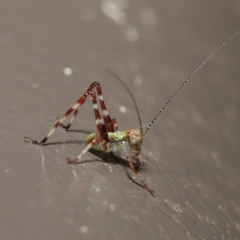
[{"x": 187, "y": 79}]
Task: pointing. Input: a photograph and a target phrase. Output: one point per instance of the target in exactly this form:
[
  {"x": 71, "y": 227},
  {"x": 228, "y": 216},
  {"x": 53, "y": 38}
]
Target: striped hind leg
[
  {"x": 67, "y": 126},
  {"x": 73, "y": 109},
  {"x": 102, "y": 134},
  {"x": 109, "y": 125},
  {"x": 106, "y": 117}
]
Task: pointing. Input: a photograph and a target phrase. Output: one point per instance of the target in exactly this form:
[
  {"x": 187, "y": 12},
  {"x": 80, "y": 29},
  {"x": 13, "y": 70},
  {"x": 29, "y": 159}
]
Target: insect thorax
[{"x": 120, "y": 140}]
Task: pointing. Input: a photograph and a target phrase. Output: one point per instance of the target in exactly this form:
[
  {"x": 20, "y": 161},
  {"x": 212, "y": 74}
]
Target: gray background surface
[{"x": 192, "y": 151}]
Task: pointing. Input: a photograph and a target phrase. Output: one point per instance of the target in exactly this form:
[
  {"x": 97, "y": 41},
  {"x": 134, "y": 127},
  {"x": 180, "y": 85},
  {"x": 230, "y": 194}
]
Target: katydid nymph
[{"x": 107, "y": 136}]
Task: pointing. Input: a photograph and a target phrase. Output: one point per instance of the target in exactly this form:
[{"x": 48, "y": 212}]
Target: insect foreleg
[
  {"x": 115, "y": 125},
  {"x": 139, "y": 163},
  {"x": 138, "y": 176}
]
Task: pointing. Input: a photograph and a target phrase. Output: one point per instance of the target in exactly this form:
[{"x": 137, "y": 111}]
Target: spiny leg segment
[{"x": 75, "y": 109}]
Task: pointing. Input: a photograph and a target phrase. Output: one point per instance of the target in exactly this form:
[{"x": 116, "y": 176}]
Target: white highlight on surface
[
  {"x": 112, "y": 206},
  {"x": 148, "y": 16},
  {"x": 83, "y": 229},
  {"x": 110, "y": 168},
  {"x": 75, "y": 174},
  {"x": 114, "y": 10},
  {"x": 215, "y": 158},
  {"x": 214, "y": 155},
  {"x": 87, "y": 15},
  {"x": 34, "y": 85},
  {"x": 88, "y": 209},
  {"x": 122, "y": 109},
  {"x": 43, "y": 163},
  {"x": 230, "y": 111},
  {"x": 6, "y": 170},
  {"x": 132, "y": 34},
  {"x": 137, "y": 81},
  {"x": 96, "y": 188},
  {"x": 67, "y": 71}
]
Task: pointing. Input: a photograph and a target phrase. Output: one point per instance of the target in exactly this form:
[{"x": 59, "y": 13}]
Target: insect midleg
[
  {"x": 74, "y": 108},
  {"x": 115, "y": 125},
  {"x": 78, "y": 158},
  {"x": 138, "y": 175}
]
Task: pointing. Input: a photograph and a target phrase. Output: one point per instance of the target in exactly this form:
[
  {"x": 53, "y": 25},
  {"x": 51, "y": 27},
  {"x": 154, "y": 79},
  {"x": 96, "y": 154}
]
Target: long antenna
[
  {"x": 189, "y": 77},
  {"x": 122, "y": 83}
]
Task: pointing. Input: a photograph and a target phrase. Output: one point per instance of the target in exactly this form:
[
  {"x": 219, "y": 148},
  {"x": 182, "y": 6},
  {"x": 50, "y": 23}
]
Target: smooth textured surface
[{"x": 192, "y": 151}]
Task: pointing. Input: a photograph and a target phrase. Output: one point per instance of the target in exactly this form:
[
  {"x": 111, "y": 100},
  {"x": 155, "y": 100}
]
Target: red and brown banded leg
[
  {"x": 106, "y": 117},
  {"x": 115, "y": 125},
  {"x": 102, "y": 138},
  {"x": 78, "y": 158},
  {"x": 100, "y": 127},
  {"x": 74, "y": 108},
  {"x": 138, "y": 176},
  {"x": 67, "y": 126}
]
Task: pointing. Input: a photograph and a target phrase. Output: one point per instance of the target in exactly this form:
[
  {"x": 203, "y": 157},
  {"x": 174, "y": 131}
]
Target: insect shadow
[
  {"x": 110, "y": 158},
  {"x": 105, "y": 157}
]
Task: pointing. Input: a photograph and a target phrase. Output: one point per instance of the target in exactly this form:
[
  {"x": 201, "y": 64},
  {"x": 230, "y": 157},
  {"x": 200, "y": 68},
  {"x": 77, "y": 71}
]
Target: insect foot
[
  {"x": 66, "y": 127},
  {"x": 28, "y": 139},
  {"x": 74, "y": 161},
  {"x": 151, "y": 192}
]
